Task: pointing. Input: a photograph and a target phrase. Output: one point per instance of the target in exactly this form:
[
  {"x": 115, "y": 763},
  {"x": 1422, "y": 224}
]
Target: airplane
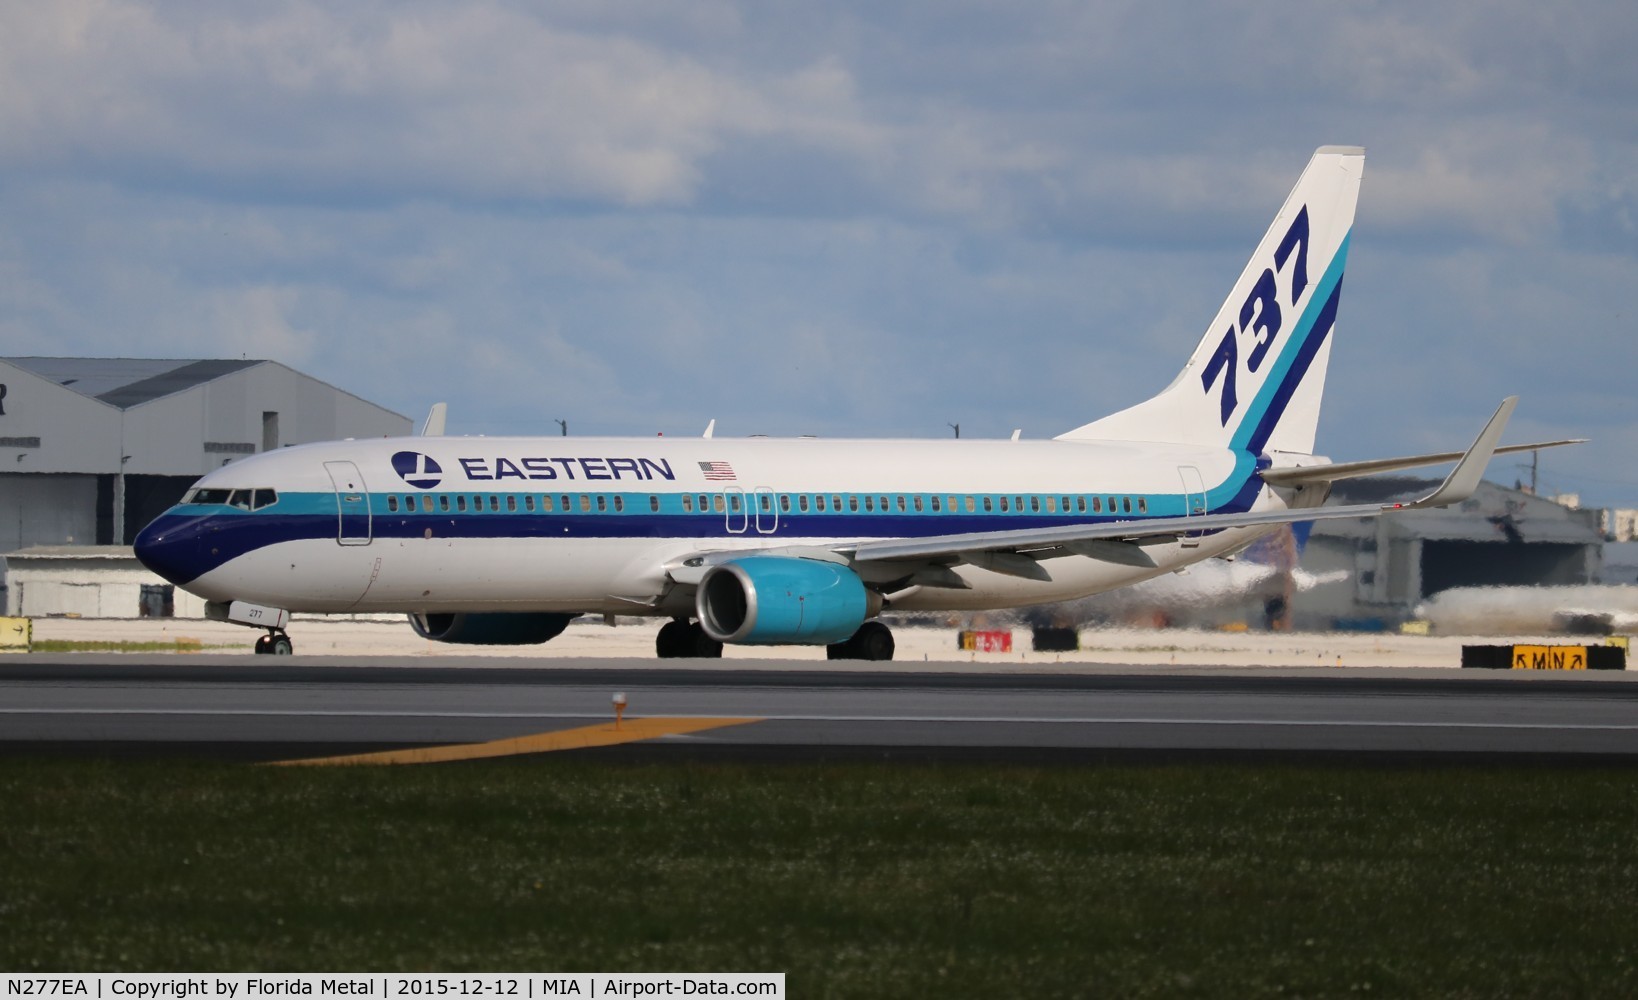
[
  {"x": 764, "y": 541},
  {"x": 1585, "y": 609},
  {"x": 1264, "y": 577}
]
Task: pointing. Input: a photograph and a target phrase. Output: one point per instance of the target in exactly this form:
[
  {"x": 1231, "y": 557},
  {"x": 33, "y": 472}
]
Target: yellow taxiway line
[{"x": 604, "y": 735}]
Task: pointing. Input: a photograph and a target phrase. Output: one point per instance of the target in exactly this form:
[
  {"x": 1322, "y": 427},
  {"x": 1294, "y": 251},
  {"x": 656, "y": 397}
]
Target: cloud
[{"x": 854, "y": 218}]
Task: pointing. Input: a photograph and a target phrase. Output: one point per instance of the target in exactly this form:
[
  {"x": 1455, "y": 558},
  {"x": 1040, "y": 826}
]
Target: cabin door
[
  {"x": 1194, "y": 500},
  {"x": 352, "y": 503}
]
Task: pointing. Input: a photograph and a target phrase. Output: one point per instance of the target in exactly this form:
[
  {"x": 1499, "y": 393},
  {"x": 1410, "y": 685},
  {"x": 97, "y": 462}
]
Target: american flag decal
[{"x": 717, "y": 470}]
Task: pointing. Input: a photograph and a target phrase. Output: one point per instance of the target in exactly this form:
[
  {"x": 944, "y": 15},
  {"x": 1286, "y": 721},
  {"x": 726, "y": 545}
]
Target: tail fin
[{"x": 1255, "y": 381}]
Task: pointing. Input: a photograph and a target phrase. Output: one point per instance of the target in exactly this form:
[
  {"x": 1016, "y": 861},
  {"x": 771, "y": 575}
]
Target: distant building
[
  {"x": 1621, "y": 525},
  {"x": 92, "y": 449},
  {"x": 1498, "y": 537}
]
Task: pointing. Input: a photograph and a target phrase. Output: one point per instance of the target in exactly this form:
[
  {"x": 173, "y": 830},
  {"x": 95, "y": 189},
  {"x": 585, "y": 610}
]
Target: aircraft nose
[{"x": 170, "y": 548}]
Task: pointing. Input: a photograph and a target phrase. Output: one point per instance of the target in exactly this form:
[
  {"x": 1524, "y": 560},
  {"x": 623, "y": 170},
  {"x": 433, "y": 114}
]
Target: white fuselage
[{"x": 441, "y": 524}]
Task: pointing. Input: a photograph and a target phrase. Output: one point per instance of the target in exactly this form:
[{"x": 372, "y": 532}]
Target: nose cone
[{"x": 170, "y": 546}]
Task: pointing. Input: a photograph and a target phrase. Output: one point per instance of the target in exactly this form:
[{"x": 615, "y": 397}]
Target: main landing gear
[
  {"x": 680, "y": 637},
  {"x": 683, "y": 638},
  {"x": 873, "y": 641},
  {"x": 275, "y": 643}
]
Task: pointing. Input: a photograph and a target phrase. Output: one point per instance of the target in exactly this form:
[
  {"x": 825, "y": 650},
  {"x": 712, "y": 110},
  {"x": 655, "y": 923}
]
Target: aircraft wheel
[
  {"x": 873, "y": 641},
  {"x": 263, "y": 644},
  {"x": 672, "y": 640},
  {"x": 280, "y": 646},
  {"x": 702, "y": 645}
]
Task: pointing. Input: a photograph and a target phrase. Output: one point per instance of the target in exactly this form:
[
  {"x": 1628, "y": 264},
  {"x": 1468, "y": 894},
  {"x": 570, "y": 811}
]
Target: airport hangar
[
  {"x": 1497, "y": 537},
  {"x": 92, "y": 449}
]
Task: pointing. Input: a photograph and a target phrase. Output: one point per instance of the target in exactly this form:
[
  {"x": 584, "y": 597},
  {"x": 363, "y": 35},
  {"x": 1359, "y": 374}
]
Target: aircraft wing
[
  {"x": 1012, "y": 552},
  {"x": 1105, "y": 540}
]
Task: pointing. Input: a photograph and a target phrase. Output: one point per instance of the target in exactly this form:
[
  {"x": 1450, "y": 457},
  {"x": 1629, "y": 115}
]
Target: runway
[{"x": 311, "y": 708}]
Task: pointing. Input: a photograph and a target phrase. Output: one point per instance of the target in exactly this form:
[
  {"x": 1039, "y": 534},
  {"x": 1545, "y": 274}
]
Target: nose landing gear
[{"x": 275, "y": 643}]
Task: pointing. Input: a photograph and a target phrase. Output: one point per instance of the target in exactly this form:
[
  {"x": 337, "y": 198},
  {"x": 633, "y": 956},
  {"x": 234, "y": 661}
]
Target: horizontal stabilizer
[
  {"x": 980, "y": 548},
  {"x": 1334, "y": 471}
]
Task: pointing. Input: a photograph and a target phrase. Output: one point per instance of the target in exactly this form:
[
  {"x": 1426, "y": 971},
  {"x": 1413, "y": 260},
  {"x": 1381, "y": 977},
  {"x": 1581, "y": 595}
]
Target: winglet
[
  {"x": 434, "y": 426},
  {"x": 1464, "y": 479}
]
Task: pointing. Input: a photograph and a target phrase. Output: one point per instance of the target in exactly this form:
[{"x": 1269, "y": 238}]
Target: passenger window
[
  {"x": 585, "y": 504},
  {"x": 802, "y": 502},
  {"x": 546, "y": 502},
  {"x": 917, "y": 504},
  {"x": 853, "y": 504},
  {"x": 688, "y": 503},
  {"x": 1143, "y": 505},
  {"x": 988, "y": 508},
  {"x": 443, "y": 502},
  {"x": 785, "y": 502},
  {"x": 1097, "y": 505},
  {"x": 767, "y": 503},
  {"x": 512, "y": 504},
  {"x": 460, "y": 504},
  {"x": 1003, "y": 505},
  {"x": 716, "y": 503},
  {"x": 602, "y": 504},
  {"x": 705, "y": 504},
  {"x": 563, "y": 499},
  {"x": 900, "y": 499},
  {"x": 1052, "y": 505},
  {"x": 1080, "y": 505},
  {"x": 1126, "y": 505},
  {"x": 883, "y": 501},
  {"x": 969, "y": 505},
  {"x": 392, "y": 503},
  {"x": 1112, "y": 507},
  {"x": 936, "y": 507},
  {"x": 1034, "y": 505},
  {"x": 654, "y": 504},
  {"x": 619, "y": 505},
  {"x": 951, "y": 507},
  {"x": 835, "y": 503},
  {"x": 870, "y": 505},
  {"x": 529, "y": 503},
  {"x": 819, "y": 501}
]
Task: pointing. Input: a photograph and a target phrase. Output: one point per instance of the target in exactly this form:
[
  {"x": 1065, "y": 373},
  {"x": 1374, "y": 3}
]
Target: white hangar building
[{"x": 92, "y": 449}]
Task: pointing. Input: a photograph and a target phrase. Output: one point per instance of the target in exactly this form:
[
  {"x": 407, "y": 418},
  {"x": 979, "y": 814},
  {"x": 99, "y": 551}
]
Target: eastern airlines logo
[{"x": 420, "y": 471}]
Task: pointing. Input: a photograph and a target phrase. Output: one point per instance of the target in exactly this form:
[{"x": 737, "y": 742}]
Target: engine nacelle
[
  {"x": 779, "y": 600},
  {"x": 490, "y": 628}
]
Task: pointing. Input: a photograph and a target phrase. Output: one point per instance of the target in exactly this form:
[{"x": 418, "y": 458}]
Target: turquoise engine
[{"x": 782, "y": 600}]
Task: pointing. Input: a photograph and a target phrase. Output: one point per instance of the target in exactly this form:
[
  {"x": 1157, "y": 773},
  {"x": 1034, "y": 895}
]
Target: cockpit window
[{"x": 254, "y": 499}]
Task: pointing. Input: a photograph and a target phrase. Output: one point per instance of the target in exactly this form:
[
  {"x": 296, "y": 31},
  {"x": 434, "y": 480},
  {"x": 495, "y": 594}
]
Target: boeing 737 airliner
[{"x": 504, "y": 540}]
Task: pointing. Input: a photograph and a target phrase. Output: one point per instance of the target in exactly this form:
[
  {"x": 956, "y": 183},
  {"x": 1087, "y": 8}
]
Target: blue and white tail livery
[
  {"x": 765, "y": 541},
  {"x": 1254, "y": 382}
]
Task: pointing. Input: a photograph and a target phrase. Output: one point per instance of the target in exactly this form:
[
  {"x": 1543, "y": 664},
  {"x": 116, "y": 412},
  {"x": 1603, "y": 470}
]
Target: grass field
[{"x": 855, "y": 879}]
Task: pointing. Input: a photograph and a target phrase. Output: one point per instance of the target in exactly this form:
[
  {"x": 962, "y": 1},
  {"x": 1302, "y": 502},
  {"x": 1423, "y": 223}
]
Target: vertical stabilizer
[{"x": 1255, "y": 381}]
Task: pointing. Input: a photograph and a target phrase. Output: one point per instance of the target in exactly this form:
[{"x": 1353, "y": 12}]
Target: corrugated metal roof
[{"x": 128, "y": 382}]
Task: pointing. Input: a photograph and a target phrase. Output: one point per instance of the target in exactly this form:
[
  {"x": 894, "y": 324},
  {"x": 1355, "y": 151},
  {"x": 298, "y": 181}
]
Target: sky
[{"x": 843, "y": 219}]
